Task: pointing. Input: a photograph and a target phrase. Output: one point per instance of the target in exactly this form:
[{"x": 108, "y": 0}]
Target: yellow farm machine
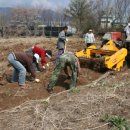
[{"x": 108, "y": 55}]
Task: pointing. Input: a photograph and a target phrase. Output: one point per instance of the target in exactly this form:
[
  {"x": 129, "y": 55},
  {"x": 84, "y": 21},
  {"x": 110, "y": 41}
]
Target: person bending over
[
  {"x": 22, "y": 63},
  {"x": 67, "y": 59}
]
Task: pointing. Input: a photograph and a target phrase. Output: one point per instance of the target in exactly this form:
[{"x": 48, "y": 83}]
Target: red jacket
[{"x": 41, "y": 52}]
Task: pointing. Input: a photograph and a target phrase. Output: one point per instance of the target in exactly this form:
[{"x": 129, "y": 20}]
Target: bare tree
[
  {"x": 26, "y": 17},
  {"x": 122, "y": 8},
  {"x": 3, "y": 23},
  {"x": 60, "y": 15},
  {"x": 102, "y": 8},
  {"x": 23, "y": 14},
  {"x": 79, "y": 11},
  {"x": 87, "y": 14},
  {"x": 47, "y": 16}
]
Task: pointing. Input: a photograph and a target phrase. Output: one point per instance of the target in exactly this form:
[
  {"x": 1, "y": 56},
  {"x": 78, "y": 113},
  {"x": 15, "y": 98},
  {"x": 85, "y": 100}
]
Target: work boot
[
  {"x": 49, "y": 90},
  {"x": 8, "y": 78},
  {"x": 68, "y": 77}
]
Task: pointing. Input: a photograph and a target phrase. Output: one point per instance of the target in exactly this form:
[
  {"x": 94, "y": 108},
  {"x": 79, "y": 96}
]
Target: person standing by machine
[
  {"x": 127, "y": 30},
  {"x": 89, "y": 38}
]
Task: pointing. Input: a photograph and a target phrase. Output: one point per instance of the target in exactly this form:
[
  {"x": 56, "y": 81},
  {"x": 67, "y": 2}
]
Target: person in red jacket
[{"x": 43, "y": 54}]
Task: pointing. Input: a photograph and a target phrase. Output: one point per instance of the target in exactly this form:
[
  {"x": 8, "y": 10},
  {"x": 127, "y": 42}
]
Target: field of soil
[{"x": 97, "y": 94}]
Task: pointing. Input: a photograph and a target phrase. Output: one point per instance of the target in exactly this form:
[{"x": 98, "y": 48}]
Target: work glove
[
  {"x": 43, "y": 67},
  {"x": 67, "y": 40},
  {"x": 47, "y": 65},
  {"x": 37, "y": 80}
]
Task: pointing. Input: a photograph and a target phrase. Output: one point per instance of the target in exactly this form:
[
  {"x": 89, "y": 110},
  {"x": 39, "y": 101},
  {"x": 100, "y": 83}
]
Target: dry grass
[
  {"x": 79, "y": 109},
  {"x": 71, "y": 111}
]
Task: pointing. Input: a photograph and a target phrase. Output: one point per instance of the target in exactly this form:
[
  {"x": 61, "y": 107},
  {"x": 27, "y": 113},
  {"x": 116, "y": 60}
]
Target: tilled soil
[{"x": 11, "y": 95}]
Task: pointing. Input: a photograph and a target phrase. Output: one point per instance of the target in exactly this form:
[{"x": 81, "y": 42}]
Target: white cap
[
  {"x": 37, "y": 57},
  {"x": 128, "y": 24},
  {"x": 90, "y": 30}
]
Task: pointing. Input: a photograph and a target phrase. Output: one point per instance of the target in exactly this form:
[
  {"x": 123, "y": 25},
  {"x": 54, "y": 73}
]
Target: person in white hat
[
  {"x": 89, "y": 38},
  {"x": 22, "y": 63},
  {"x": 127, "y": 30},
  {"x": 45, "y": 56}
]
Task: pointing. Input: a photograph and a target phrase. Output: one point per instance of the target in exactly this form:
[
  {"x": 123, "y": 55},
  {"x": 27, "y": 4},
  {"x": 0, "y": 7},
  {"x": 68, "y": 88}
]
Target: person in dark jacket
[
  {"x": 61, "y": 41},
  {"x": 22, "y": 63}
]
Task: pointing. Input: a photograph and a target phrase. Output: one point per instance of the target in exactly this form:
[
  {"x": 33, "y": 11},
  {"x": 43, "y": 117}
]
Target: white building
[
  {"x": 110, "y": 20},
  {"x": 106, "y": 21}
]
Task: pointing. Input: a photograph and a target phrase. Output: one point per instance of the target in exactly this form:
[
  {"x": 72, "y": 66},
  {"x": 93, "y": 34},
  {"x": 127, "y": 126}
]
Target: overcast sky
[{"x": 45, "y": 3}]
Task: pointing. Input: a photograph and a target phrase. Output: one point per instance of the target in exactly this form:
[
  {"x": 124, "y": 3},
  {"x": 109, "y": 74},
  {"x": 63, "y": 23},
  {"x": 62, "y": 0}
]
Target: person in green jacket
[{"x": 67, "y": 59}]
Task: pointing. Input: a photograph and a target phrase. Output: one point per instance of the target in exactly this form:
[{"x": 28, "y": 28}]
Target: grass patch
[
  {"x": 46, "y": 104},
  {"x": 8, "y": 93},
  {"x": 74, "y": 90},
  {"x": 116, "y": 122}
]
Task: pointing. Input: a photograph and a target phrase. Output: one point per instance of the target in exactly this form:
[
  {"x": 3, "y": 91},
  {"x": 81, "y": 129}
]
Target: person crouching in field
[
  {"x": 45, "y": 55},
  {"x": 22, "y": 63},
  {"x": 68, "y": 59}
]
